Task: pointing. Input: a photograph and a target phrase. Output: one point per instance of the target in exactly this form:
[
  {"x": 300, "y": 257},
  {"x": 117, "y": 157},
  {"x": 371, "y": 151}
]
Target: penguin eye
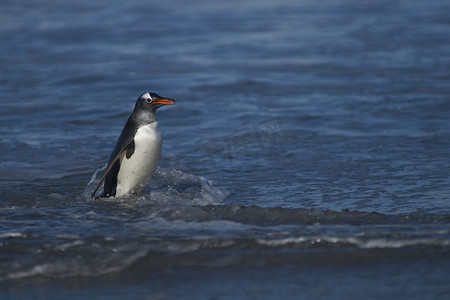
[{"x": 149, "y": 100}]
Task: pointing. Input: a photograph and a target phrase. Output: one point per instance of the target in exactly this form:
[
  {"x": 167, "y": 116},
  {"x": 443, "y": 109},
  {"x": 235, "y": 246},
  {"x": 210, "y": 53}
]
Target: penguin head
[{"x": 152, "y": 101}]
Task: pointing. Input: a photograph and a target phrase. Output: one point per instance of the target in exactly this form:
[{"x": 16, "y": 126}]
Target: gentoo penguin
[{"x": 136, "y": 154}]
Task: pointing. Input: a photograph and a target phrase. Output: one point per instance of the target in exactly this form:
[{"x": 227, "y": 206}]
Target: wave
[
  {"x": 182, "y": 220},
  {"x": 214, "y": 236},
  {"x": 99, "y": 257},
  {"x": 174, "y": 194}
]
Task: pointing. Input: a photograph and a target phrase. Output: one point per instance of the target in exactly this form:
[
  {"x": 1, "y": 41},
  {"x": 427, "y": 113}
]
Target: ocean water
[{"x": 307, "y": 156}]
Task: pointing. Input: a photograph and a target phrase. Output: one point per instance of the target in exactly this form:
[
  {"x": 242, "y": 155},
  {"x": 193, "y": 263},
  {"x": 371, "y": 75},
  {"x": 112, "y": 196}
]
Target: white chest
[{"x": 136, "y": 171}]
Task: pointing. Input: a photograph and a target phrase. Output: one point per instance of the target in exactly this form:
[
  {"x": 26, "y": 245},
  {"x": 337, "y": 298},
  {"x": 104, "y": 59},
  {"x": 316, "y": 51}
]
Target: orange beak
[{"x": 165, "y": 101}]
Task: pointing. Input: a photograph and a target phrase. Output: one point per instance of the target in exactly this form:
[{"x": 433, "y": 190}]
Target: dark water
[{"x": 307, "y": 155}]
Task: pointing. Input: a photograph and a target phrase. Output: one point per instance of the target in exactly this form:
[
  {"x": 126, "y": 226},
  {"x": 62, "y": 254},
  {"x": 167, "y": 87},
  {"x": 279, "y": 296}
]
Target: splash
[
  {"x": 168, "y": 186},
  {"x": 87, "y": 193}
]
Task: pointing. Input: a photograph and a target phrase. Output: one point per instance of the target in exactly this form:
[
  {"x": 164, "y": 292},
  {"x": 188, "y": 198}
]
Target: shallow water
[{"x": 307, "y": 154}]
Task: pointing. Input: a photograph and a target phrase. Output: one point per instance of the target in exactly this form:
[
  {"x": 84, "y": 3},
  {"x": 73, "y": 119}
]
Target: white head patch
[{"x": 146, "y": 96}]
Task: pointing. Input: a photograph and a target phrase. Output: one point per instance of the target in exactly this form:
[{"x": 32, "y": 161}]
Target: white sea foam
[
  {"x": 36, "y": 270},
  {"x": 383, "y": 243},
  {"x": 66, "y": 246},
  {"x": 10, "y": 235}
]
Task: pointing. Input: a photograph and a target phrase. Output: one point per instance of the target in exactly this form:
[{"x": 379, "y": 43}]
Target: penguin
[{"x": 136, "y": 154}]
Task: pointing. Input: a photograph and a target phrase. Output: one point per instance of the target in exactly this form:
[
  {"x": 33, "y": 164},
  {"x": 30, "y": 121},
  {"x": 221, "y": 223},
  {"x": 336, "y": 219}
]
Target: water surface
[{"x": 307, "y": 154}]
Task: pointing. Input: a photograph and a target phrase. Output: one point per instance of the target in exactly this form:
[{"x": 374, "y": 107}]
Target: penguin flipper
[{"x": 130, "y": 150}]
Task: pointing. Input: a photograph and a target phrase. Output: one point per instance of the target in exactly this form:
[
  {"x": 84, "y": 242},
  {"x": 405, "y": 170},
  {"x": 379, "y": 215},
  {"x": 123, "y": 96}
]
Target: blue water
[{"x": 307, "y": 155}]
